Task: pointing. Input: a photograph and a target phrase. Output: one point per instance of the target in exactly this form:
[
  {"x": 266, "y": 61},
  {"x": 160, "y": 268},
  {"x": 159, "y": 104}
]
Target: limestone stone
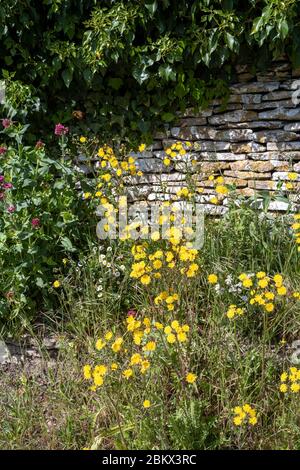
[
  {"x": 247, "y": 147},
  {"x": 192, "y": 121},
  {"x": 294, "y": 126},
  {"x": 270, "y": 104},
  {"x": 154, "y": 165},
  {"x": 283, "y": 146},
  {"x": 239, "y": 183},
  {"x": 275, "y": 136},
  {"x": 234, "y": 116},
  {"x": 221, "y": 156},
  {"x": 247, "y": 174},
  {"x": 255, "y": 87},
  {"x": 296, "y": 167},
  {"x": 246, "y": 165},
  {"x": 281, "y": 113},
  {"x": 277, "y": 95},
  {"x": 254, "y": 125},
  {"x": 262, "y": 185},
  {"x": 211, "y": 146}
]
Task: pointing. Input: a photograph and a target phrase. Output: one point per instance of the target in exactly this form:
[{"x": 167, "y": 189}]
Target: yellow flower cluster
[
  {"x": 176, "y": 332},
  {"x": 111, "y": 169},
  {"x": 244, "y": 414},
  {"x": 264, "y": 289},
  {"x": 168, "y": 299},
  {"x": 149, "y": 264},
  {"x": 220, "y": 188},
  {"x": 296, "y": 229},
  {"x": 176, "y": 150},
  {"x": 234, "y": 311},
  {"x": 131, "y": 352},
  {"x": 290, "y": 381},
  {"x": 292, "y": 176}
]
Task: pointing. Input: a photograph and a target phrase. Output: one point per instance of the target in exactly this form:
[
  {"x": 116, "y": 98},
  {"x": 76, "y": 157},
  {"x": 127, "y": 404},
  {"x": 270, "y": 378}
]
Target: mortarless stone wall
[{"x": 254, "y": 143}]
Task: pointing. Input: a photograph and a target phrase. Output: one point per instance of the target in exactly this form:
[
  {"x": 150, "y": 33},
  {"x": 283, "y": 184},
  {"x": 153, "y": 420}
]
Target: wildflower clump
[
  {"x": 130, "y": 355},
  {"x": 244, "y": 414},
  {"x": 290, "y": 381},
  {"x": 296, "y": 230}
]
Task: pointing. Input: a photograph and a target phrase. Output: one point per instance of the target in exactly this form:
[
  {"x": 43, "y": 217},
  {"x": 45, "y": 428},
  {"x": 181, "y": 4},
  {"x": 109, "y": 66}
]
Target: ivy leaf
[
  {"x": 115, "y": 83},
  {"x": 165, "y": 71},
  {"x": 168, "y": 117},
  {"x": 230, "y": 41},
  {"x": 67, "y": 76},
  {"x": 140, "y": 74},
  {"x": 151, "y": 7},
  {"x": 283, "y": 28}
]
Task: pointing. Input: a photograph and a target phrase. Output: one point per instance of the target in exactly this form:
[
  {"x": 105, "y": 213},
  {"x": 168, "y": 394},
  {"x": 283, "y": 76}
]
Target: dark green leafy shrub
[
  {"x": 44, "y": 221},
  {"x": 125, "y": 67}
]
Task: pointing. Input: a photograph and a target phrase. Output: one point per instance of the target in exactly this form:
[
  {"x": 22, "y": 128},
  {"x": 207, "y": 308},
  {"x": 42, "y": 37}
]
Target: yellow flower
[
  {"x": 108, "y": 335},
  {"x": 260, "y": 275},
  {"x": 147, "y": 404},
  {"x": 151, "y": 346},
  {"x": 56, "y": 284},
  {"x": 145, "y": 279},
  {"x": 283, "y": 388},
  {"x": 98, "y": 380},
  {"x": 171, "y": 338},
  {"x": 281, "y": 290},
  {"x": 292, "y": 176},
  {"x": 145, "y": 365},
  {"x": 135, "y": 359},
  {"x": 269, "y": 307},
  {"x": 128, "y": 373},
  {"x": 278, "y": 280},
  {"x": 212, "y": 278},
  {"x": 253, "y": 420},
  {"x": 82, "y": 139},
  {"x": 237, "y": 420},
  {"x": 87, "y": 372},
  {"x": 190, "y": 378},
  {"x": 295, "y": 387},
  {"x": 142, "y": 147},
  {"x": 263, "y": 282},
  {"x": 114, "y": 366},
  {"x": 182, "y": 338},
  {"x": 100, "y": 370},
  {"x": 167, "y": 161},
  {"x": 100, "y": 344},
  {"x": 247, "y": 283}
]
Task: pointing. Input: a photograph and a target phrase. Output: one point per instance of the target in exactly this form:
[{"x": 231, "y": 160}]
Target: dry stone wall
[{"x": 254, "y": 142}]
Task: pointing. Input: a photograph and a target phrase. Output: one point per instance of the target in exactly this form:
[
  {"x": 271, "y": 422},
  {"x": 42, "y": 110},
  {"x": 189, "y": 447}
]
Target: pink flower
[
  {"x": 11, "y": 209},
  {"x": 3, "y": 150},
  {"x": 60, "y": 129},
  {"x": 39, "y": 145},
  {"x": 7, "y": 185},
  {"x": 1, "y": 178},
  {"x": 6, "y": 123},
  {"x": 131, "y": 313},
  {"x": 35, "y": 222},
  {"x": 2, "y": 196}
]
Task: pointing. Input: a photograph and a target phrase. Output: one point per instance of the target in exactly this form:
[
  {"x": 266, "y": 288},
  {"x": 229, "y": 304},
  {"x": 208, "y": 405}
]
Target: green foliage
[
  {"x": 43, "y": 220},
  {"x": 129, "y": 66}
]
